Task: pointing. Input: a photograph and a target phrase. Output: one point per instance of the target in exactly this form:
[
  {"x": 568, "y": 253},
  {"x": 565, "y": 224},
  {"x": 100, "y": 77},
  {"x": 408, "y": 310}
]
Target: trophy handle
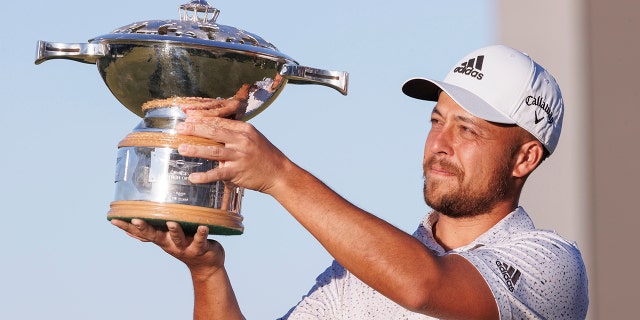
[
  {"x": 338, "y": 80},
  {"x": 82, "y": 52}
]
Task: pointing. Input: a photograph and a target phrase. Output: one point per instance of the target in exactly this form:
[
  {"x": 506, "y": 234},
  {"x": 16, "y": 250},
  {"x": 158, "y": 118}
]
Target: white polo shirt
[{"x": 533, "y": 274}]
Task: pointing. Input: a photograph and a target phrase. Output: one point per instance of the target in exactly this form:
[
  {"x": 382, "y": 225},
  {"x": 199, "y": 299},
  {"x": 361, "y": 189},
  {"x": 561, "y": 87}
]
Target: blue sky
[{"x": 60, "y": 256}]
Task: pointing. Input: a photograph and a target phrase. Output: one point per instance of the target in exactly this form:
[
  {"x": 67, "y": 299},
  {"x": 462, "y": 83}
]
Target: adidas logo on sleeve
[{"x": 510, "y": 274}]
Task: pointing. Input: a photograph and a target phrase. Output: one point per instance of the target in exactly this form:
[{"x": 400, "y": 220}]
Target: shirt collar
[{"x": 516, "y": 221}]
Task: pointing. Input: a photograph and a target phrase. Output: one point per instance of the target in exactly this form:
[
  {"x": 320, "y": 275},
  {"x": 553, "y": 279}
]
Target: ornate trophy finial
[{"x": 198, "y": 11}]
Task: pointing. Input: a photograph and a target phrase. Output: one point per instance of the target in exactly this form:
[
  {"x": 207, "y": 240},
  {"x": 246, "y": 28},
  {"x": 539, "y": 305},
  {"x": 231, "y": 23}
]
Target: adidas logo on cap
[
  {"x": 472, "y": 67},
  {"x": 503, "y": 85}
]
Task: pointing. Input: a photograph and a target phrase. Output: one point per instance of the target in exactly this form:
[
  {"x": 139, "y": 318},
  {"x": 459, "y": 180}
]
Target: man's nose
[{"x": 440, "y": 141}]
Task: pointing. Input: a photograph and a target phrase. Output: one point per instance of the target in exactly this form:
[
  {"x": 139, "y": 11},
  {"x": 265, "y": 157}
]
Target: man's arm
[
  {"x": 214, "y": 296},
  {"x": 384, "y": 257}
]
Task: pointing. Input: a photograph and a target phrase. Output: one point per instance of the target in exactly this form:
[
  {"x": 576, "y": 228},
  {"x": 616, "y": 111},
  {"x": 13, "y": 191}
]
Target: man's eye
[{"x": 468, "y": 130}]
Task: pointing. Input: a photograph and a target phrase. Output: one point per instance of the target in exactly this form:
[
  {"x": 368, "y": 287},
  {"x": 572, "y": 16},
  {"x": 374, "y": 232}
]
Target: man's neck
[{"x": 452, "y": 233}]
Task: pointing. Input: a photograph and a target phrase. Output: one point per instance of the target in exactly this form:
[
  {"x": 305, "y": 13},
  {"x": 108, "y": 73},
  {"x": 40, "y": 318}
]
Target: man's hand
[
  {"x": 246, "y": 157},
  {"x": 202, "y": 256},
  {"x": 213, "y": 296}
]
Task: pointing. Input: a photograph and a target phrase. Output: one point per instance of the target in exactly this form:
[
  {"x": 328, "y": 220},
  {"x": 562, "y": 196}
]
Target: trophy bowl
[
  {"x": 190, "y": 57},
  {"x": 156, "y": 69}
]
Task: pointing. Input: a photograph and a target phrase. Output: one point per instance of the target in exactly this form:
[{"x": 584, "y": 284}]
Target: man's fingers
[
  {"x": 207, "y": 177},
  {"x": 220, "y": 154},
  {"x": 136, "y": 237},
  {"x": 204, "y": 130},
  {"x": 217, "y": 129},
  {"x": 200, "y": 239},
  {"x": 177, "y": 235},
  {"x": 207, "y": 152},
  {"x": 137, "y": 228}
]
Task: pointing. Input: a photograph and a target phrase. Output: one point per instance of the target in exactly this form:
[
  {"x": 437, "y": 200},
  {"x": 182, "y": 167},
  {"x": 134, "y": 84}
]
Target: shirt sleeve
[
  {"x": 324, "y": 299},
  {"x": 535, "y": 275}
]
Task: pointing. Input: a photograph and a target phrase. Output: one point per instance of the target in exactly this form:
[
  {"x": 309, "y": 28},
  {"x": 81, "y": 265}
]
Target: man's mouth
[{"x": 440, "y": 167}]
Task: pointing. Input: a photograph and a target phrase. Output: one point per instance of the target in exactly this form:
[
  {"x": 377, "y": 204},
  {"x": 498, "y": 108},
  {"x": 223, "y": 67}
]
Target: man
[{"x": 476, "y": 256}]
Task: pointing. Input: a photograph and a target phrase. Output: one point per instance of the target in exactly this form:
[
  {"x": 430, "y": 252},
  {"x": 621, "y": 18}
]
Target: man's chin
[
  {"x": 451, "y": 205},
  {"x": 434, "y": 201},
  {"x": 438, "y": 188}
]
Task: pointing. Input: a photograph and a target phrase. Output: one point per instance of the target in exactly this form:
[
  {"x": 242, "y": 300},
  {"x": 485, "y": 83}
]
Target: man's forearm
[
  {"x": 364, "y": 244},
  {"x": 214, "y": 297}
]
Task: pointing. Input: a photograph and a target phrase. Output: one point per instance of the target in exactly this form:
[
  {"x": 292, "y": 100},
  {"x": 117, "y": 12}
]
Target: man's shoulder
[
  {"x": 516, "y": 247},
  {"x": 519, "y": 231},
  {"x": 512, "y": 239},
  {"x": 533, "y": 272}
]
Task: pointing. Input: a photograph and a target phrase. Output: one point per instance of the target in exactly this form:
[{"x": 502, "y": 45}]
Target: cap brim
[{"x": 427, "y": 89}]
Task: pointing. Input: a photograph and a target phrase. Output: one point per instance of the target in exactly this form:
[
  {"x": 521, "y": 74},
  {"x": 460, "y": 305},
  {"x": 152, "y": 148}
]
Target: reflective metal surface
[
  {"x": 152, "y": 178},
  {"x": 155, "y": 68},
  {"x": 161, "y": 175},
  {"x": 190, "y": 57},
  {"x": 153, "y": 170}
]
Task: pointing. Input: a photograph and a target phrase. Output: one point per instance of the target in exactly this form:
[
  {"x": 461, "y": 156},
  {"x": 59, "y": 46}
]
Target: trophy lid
[{"x": 197, "y": 25}]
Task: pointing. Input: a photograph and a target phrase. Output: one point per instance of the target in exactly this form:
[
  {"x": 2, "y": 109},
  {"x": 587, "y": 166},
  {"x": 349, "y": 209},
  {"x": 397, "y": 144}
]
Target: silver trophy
[{"x": 158, "y": 68}]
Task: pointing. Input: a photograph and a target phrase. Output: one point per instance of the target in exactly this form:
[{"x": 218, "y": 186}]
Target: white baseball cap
[{"x": 503, "y": 85}]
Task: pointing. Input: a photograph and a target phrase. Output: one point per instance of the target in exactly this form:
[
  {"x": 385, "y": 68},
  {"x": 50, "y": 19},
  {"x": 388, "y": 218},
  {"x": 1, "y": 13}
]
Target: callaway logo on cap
[{"x": 503, "y": 85}]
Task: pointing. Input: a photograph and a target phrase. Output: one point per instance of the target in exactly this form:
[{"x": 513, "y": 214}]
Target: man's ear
[{"x": 528, "y": 158}]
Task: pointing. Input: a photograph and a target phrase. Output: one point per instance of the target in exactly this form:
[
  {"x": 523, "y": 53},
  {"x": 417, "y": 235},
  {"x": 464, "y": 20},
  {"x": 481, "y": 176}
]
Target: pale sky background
[{"x": 61, "y": 258}]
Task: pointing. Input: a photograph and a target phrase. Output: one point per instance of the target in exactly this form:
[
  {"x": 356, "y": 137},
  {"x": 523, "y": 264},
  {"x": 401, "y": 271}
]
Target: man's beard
[{"x": 462, "y": 201}]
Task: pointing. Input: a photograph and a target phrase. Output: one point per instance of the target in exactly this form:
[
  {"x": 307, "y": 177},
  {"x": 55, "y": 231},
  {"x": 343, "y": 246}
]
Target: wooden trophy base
[{"x": 220, "y": 222}]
